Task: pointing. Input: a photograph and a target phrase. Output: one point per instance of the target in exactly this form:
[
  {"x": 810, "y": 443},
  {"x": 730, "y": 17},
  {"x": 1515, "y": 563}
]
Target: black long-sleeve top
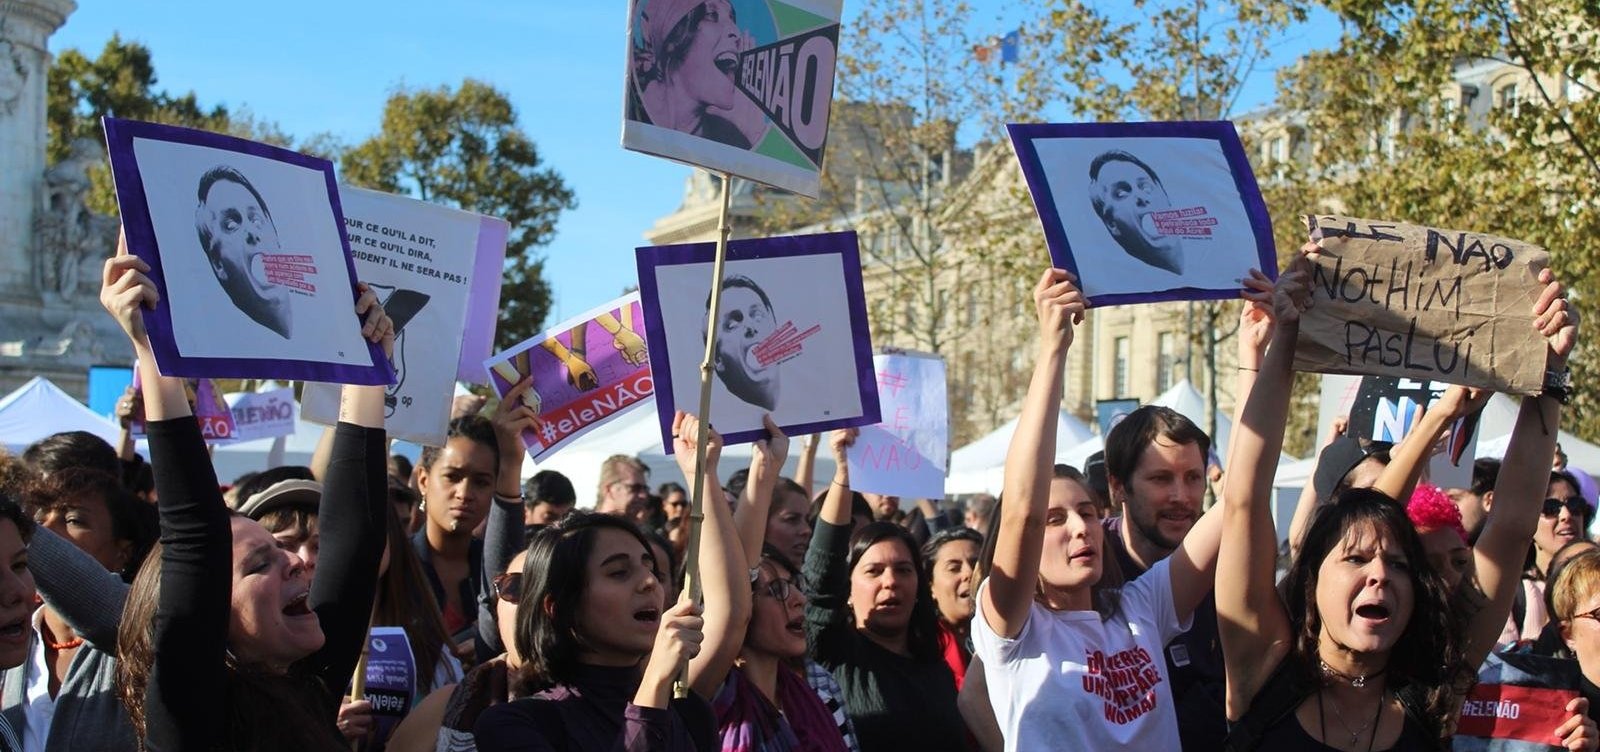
[{"x": 186, "y": 701}]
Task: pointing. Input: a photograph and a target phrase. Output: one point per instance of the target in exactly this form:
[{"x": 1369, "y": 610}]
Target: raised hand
[
  {"x": 1255, "y": 319},
  {"x": 1460, "y": 401},
  {"x": 1059, "y": 304},
  {"x": 772, "y": 451},
  {"x": 678, "y": 641},
  {"x": 685, "y": 438},
  {"x": 1554, "y": 317},
  {"x": 376, "y": 326},
  {"x": 124, "y": 288},
  {"x": 840, "y": 441},
  {"x": 1291, "y": 296},
  {"x": 513, "y": 416}
]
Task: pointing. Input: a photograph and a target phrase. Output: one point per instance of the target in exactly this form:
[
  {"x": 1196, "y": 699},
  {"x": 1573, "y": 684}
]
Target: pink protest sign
[
  {"x": 906, "y": 454},
  {"x": 586, "y": 371},
  {"x": 216, "y": 419}
]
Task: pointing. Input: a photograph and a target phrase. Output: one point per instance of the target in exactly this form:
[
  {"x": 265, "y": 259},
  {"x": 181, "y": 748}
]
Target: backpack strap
[{"x": 1277, "y": 698}]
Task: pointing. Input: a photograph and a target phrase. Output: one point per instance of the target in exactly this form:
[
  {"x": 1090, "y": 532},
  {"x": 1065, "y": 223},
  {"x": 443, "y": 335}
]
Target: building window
[
  {"x": 1119, "y": 372},
  {"x": 1166, "y": 361},
  {"x": 1506, "y": 98}
]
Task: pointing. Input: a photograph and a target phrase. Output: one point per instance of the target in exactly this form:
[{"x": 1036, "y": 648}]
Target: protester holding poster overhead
[
  {"x": 225, "y": 641},
  {"x": 1364, "y": 647},
  {"x": 1066, "y": 663},
  {"x": 871, "y": 621}
]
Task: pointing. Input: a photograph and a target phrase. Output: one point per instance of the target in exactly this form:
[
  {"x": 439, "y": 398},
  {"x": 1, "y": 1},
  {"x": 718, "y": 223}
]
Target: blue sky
[{"x": 328, "y": 67}]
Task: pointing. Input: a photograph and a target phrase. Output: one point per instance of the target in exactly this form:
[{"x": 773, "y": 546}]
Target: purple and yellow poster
[
  {"x": 737, "y": 86},
  {"x": 586, "y": 371}
]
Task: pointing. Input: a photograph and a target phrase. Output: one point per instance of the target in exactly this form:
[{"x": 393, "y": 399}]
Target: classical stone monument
[{"x": 51, "y": 244}]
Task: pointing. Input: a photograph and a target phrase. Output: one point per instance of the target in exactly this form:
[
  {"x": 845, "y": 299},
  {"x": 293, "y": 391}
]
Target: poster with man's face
[
  {"x": 792, "y": 336},
  {"x": 737, "y": 86},
  {"x": 1145, "y": 212},
  {"x": 245, "y": 244}
]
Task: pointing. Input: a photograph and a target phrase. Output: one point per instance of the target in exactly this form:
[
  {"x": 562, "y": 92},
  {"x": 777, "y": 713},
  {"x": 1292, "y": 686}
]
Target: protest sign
[
  {"x": 246, "y": 244},
  {"x": 1396, "y": 299},
  {"x": 586, "y": 371},
  {"x": 420, "y": 258},
  {"x": 906, "y": 454},
  {"x": 752, "y": 100},
  {"x": 1387, "y": 409},
  {"x": 1108, "y": 413},
  {"x": 216, "y": 420},
  {"x": 1517, "y": 703},
  {"x": 391, "y": 677},
  {"x": 262, "y": 415},
  {"x": 793, "y": 338},
  {"x": 1143, "y": 212}
]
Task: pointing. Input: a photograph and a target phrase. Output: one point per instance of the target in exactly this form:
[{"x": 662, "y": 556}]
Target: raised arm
[
  {"x": 351, "y": 516},
  {"x": 766, "y": 462},
  {"x": 805, "y": 470},
  {"x": 1015, "y": 571},
  {"x": 184, "y": 699},
  {"x": 827, "y": 569},
  {"x": 1399, "y": 477},
  {"x": 1194, "y": 565},
  {"x": 1250, "y": 619},
  {"x": 724, "y": 575},
  {"x": 502, "y": 539},
  {"x": 1524, "y": 474}
]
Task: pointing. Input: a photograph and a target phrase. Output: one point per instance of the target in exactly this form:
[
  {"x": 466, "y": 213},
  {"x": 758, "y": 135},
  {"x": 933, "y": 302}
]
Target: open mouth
[
  {"x": 1083, "y": 555},
  {"x": 1147, "y": 224},
  {"x": 15, "y": 631},
  {"x": 1373, "y": 611},
  {"x": 299, "y": 606},
  {"x": 727, "y": 62},
  {"x": 888, "y": 605},
  {"x": 258, "y": 271},
  {"x": 796, "y": 626},
  {"x": 647, "y": 615}
]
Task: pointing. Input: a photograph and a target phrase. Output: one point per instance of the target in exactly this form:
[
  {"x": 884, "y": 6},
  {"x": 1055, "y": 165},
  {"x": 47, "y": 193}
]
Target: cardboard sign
[
  {"x": 907, "y": 454},
  {"x": 1143, "y": 212},
  {"x": 1395, "y": 299},
  {"x": 792, "y": 335},
  {"x": 420, "y": 258},
  {"x": 751, "y": 101},
  {"x": 1519, "y": 701},
  {"x": 586, "y": 371},
  {"x": 391, "y": 677},
  {"x": 262, "y": 415},
  {"x": 246, "y": 244}
]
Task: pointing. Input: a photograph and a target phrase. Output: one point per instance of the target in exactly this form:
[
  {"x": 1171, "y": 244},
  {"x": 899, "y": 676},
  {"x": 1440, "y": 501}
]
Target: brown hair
[
  {"x": 406, "y": 600},
  {"x": 267, "y": 710},
  {"x": 611, "y": 471},
  {"x": 1575, "y": 580}
]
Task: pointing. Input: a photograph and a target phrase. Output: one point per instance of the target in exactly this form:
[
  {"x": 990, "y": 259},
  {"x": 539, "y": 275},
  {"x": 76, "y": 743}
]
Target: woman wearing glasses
[
  {"x": 1562, "y": 520},
  {"x": 1576, "y": 603}
]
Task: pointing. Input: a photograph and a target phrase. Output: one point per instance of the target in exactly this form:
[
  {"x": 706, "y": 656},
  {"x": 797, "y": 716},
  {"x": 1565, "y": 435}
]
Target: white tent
[
  {"x": 638, "y": 434},
  {"x": 39, "y": 408},
  {"x": 977, "y": 467},
  {"x": 1186, "y": 399}
]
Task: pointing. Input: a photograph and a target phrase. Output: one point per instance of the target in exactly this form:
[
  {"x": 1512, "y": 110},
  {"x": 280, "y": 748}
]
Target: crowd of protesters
[{"x": 146, "y": 605}]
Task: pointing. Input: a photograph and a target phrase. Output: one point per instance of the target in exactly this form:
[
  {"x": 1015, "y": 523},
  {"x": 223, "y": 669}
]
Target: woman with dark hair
[
  {"x": 16, "y": 599},
  {"x": 1065, "y": 666},
  {"x": 685, "y": 57},
  {"x": 951, "y": 558},
  {"x": 592, "y": 631},
  {"x": 64, "y": 697},
  {"x": 870, "y": 619},
  {"x": 225, "y": 642},
  {"x": 1364, "y": 628}
]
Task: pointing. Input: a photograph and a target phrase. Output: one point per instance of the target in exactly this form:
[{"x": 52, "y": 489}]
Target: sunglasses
[
  {"x": 508, "y": 587},
  {"x": 633, "y": 487},
  {"x": 1575, "y": 505},
  {"x": 779, "y": 589}
]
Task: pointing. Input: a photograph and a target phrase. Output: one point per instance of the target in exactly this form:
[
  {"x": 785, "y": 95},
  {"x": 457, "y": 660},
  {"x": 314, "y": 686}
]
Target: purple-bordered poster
[
  {"x": 792, "y": 335},
  {"x": 246, "y": 243},
  {"x": 1145, "y": 212}
]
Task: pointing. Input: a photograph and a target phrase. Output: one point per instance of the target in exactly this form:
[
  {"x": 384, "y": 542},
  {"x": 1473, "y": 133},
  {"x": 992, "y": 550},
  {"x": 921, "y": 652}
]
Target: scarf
[{"x": 748, "y": 722}]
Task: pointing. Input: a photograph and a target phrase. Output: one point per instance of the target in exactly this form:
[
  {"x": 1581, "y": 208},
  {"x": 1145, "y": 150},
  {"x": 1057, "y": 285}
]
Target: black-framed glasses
[
  {"x": 1595, "y": 614},
  {"x": 779, "y": 588},
  {"x": 508, "y": 587},
  {"x": 634, "y": 488},
  {"x": 1575, "y": 505}
]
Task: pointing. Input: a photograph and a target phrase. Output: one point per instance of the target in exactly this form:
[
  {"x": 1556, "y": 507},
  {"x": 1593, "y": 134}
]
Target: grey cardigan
[{"x": 88, "y": 716}]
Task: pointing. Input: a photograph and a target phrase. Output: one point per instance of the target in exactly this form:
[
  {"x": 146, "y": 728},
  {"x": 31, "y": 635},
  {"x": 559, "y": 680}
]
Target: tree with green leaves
[
  {"x": 121, "y": 81},
  {"x": 462, "y": 147},
  {"x": 1477, "y": 115}
]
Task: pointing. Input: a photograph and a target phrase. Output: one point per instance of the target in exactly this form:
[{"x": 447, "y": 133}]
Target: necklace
[
  {"x": 1358, "y": 681},
  {"x": 68, "y": 645}
]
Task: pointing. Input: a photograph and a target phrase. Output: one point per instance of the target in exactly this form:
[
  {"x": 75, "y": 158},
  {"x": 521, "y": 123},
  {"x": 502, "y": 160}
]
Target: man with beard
[
  {"x": 1156, "y": 473},
  {"x": 236, "y": 230},
  {"x": 1126, "y": 194}
]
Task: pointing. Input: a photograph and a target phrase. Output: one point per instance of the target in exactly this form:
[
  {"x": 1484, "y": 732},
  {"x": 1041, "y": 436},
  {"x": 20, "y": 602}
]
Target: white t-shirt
[{"x": 1071, "y": 680}]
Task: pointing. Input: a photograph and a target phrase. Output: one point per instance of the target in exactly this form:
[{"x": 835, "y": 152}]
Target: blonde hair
[
  {"x": 611, "y": 472},
  {"x": 1576, "y": 581}
]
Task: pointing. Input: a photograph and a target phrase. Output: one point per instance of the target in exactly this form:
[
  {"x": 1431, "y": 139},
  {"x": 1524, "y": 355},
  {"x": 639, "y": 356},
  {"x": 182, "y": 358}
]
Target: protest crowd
[{"x": 1146, "y": 600}]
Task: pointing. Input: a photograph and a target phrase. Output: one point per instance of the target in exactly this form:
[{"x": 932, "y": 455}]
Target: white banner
[
  {"x": 262, "y": 415},
  {"x": 905, "y": 455}
]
